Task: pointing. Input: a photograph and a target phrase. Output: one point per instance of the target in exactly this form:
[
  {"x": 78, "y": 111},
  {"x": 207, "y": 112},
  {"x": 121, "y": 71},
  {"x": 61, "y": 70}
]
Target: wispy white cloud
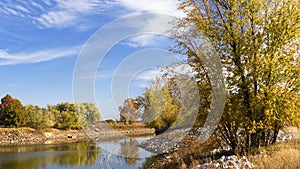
[
  {"x": 168, "y": 7},
  {"x": 165, "y": 6},
  {"x": 75, "y": 13},
  {"x": 9, "y": 10},
  {"x": 160, "y": 23},
  {"x": 48, "y": 2},
  {"x": 56, "y": 19},
  {"x": 142, "y": 41},
  {"x": 7, "y": 58},
  {"x": 38, "y": 6},
  {"x": 69, "y": 12},
  {"x": 146, "y": 75},
  {"x": 149, "y": 75},
  {"x": 19, "y": 9},
  {"x": 54, "y": 13},
  {"x": 145, "y": 78}
]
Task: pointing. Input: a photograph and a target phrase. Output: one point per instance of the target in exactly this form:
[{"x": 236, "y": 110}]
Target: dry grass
[
  {"x": 285, "y": 155},
  {"x": 122, "y": 126},
  {"x": 21, "y": 130},
  {"x": 193, "y": 153},
  {"x": 52, "y": 130}
]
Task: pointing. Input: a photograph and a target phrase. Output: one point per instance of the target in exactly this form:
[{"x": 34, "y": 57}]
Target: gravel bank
[
  {"x": 103, "y": 132},
  {"x": 27, "y": 136},
  {"x": 164, "y": 143}
]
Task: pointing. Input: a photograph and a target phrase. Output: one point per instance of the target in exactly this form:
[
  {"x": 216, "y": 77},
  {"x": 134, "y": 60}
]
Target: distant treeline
[{"x": 61, "y": 116}]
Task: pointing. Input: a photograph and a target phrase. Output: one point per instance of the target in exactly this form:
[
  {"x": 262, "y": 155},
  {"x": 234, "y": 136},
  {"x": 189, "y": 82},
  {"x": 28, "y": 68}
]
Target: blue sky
[{"x": 40, "y": 42}]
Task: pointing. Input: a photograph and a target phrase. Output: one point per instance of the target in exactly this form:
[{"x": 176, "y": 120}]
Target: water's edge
[{"x": 30, "y": 136}]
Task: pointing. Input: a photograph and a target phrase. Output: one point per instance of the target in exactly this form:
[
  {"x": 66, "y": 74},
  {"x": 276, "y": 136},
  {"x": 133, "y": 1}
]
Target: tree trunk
[{"x": 275, "y": 134}]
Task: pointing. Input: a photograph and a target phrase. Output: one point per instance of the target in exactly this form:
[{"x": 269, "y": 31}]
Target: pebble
[
  {"x": 164, "y": 143},
  {"x": 231, "y": 162},
  {"x": 283, "y": 136}
]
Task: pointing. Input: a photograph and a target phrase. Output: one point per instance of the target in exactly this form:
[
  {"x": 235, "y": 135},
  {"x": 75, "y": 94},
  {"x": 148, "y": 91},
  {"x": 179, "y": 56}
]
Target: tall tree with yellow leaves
[{"x": 258, "y": 44}]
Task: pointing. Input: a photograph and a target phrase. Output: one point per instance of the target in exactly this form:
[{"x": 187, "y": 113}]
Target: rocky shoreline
[
  {"x": 104, "y": 132},
  {"x": 167, "y": 143},
  {"x": 29, "y": 136}
]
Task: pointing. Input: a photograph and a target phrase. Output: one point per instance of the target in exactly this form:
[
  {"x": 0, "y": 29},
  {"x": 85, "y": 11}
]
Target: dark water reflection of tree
[
  {"x": 130, "y": 150},
  {"x": 71, "y": 155}
]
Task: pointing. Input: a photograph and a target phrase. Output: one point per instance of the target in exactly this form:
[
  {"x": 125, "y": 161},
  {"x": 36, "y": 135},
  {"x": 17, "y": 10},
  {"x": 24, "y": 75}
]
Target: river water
[{"x": 117, "y": 154}]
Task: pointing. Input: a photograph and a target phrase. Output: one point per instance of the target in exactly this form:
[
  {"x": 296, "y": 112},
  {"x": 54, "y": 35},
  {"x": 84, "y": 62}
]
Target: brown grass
[
  {"x": 194, "y": 153},
  {"x": 122, "y": 126},
  {"x": 285, "y": 155},
  {"x": 21, "y": 130}
]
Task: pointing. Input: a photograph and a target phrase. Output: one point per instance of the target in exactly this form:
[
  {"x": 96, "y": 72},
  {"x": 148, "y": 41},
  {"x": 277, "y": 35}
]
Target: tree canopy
[
  {"x": 62, "y": 116},
  {"x": 12, "y": 112},
  {"x": 129, "y": 111},
  {"x": 160, "y": 108},
  {"x": 258, "y": 45}
]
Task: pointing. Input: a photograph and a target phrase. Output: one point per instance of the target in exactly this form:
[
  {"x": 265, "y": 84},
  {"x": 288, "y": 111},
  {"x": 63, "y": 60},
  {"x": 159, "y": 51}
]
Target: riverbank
[
  {"x": 94, "y": 133},
  {"x": 102, "y": 131},
  {"x": 27, "y": 136},
  {"x": 190, "y": 153}
]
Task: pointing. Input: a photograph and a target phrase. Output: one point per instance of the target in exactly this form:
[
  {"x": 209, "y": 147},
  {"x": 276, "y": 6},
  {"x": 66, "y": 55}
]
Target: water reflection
[
  {"x": 130, "y": 151},
  {"x": 78, "y": 155},
  {"x": 41, "y": 156},
  {"x": 123, "y": 154}
]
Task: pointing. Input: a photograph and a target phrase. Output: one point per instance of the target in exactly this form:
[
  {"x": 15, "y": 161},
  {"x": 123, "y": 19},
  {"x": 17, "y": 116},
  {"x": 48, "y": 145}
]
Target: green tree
[
  {"x": 62, "y": 116},
  {"x": 91, "y": 112},
  {"x": 67, "y": 117},
  {"x": 38, "y": 118},
  {"x": 258, "y": 45},
  {"x": 12, "y": 112},
  {"x": 160, "y": 109},
  {"x": 32, "y": 116},
  {"x": 87, "y": 113},
  {"x": 75, "y": 116},
  {"x": 186, "y": 93}
]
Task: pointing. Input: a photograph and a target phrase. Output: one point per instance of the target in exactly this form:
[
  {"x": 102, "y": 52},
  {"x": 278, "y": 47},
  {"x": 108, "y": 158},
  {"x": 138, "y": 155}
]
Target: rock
[
  {"x": 26, "y": 136},
  {"x": 183, "y": 166},
  {"x": 48, "y": 134},
  {"x": 229, "y": 162},
  {"x": 165, "y": 143}
]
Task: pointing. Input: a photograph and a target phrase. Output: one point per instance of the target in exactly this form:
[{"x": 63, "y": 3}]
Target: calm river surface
[{"x": 122, "y": 154}]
